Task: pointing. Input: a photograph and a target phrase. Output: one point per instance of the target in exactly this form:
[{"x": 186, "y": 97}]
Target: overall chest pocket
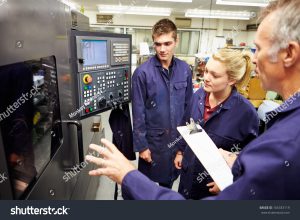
[{"x": 180, "y": 89}]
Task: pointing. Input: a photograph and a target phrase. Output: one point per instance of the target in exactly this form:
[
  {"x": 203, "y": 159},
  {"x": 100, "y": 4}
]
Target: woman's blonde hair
[{"x": 238, "y": 65}]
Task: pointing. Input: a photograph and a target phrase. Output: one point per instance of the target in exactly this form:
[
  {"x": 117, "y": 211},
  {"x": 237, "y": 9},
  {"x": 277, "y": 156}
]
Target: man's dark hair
[{"x": 164, "y": 26}]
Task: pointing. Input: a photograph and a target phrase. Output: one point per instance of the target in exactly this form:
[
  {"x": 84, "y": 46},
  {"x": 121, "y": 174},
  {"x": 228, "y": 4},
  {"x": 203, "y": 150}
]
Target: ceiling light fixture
[
  {"x": 122, "y": 9},
  {"x": 236, "y": 15},
  {"x": 184, "y": 1},
  {"x": 261, "y": 3}
]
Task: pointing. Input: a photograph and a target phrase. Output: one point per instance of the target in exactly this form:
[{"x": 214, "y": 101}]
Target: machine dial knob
[
  {"x": 102, "y": 102},
  {"x": 120, "y": 94}
]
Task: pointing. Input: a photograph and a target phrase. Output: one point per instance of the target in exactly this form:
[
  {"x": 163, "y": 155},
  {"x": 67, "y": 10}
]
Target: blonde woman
[{"x": 228, "y": 118}]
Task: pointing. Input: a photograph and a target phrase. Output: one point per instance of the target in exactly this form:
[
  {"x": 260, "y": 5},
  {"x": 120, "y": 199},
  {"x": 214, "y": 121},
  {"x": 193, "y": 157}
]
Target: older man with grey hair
[{"x": 268, "y": 167}]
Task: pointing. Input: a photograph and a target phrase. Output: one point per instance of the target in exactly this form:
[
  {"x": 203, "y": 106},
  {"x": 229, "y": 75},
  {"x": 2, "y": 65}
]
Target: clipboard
[{"x": 208, "y": 154}]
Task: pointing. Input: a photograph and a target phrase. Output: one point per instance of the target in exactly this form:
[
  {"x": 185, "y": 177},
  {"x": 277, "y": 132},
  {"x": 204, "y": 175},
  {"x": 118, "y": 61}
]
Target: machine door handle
[{"x": 79, "y": 137}]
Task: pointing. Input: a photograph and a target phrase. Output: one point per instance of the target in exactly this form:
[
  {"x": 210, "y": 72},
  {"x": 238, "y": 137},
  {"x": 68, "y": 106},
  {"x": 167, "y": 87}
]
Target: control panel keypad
[{"x": 104, "y": 89}]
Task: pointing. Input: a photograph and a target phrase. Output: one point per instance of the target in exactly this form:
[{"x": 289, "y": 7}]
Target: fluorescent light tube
[
  {"x": 263, "y": 3},
  {"x": 185, "y": 1},
  {"x": 134, "y": 10},
  {"x": 237, "y": 15}
]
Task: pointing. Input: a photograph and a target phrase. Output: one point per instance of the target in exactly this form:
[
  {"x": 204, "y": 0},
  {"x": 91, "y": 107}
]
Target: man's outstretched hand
[{"x": 112, "y": 163}]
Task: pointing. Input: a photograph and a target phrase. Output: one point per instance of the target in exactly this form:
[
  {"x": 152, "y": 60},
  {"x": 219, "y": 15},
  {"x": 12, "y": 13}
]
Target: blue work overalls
[
  {"x": 231, "y": 127},
  {"x": 159, "y": 100}
]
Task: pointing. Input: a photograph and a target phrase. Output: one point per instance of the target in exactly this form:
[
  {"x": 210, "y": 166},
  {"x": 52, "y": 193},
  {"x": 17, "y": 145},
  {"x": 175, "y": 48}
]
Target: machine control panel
[
  {"x": 103, "y": 68},
  {"x": 104, "y": 89}
]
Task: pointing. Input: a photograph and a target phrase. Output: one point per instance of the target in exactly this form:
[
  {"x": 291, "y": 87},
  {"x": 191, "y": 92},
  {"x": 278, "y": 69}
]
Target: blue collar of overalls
[
  {"x": 158, "y": 64},
  {"x": 288, "y": 105},
  {"x": 227, "y": 104}
]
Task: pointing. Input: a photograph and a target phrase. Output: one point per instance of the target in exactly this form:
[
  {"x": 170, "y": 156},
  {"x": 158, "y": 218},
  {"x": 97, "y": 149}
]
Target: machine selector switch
[
  {"x": 87, "y": 79},
  {"x": 102, "y": 102},
  {"x": 120, "y": 94}
]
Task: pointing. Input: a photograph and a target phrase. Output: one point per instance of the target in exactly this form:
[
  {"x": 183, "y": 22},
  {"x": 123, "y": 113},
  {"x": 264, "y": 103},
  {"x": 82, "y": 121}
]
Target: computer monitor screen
[{"x": 94, "y": 52}]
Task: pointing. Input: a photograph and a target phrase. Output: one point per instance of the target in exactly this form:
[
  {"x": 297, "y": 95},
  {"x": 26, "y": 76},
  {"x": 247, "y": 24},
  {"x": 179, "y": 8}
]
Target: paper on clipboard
[{"x": 209, "y": 155}]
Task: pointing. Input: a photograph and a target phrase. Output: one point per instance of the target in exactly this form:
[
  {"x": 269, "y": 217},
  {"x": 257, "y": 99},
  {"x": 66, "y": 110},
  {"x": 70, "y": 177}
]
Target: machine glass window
[{"x": 29, "y": 114}]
